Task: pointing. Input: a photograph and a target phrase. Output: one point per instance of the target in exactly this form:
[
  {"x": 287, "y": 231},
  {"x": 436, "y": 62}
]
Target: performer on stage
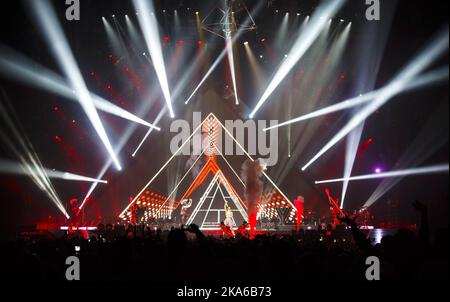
[
  {"x": 334, "y": 208},
  {"x": 226, "y": 230},
  {"x": 364, "y": 217},
  {"x": 184, "y": 215},
  {"x": 74, "y": 211},
  {"x": 229, "y": 221}
]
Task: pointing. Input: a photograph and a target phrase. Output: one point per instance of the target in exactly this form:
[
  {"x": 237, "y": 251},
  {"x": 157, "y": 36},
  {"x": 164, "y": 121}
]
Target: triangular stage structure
[
  {"x": 205, "y": 207},
  {"x": 208, "y": 213}
]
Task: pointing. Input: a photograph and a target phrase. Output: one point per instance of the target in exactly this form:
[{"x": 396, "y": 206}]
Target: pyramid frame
[
  {"x": 208, "y": 117},
  {"x": 218, "y": 180}
]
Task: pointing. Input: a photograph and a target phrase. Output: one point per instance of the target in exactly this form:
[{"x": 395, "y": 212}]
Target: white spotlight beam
[
  {"x": 121, "y": 144},
  {"x": 38, "y": 175},
  {"x": 282, "y": 32},
  {"x": 421, "y": 62},
  {"x": 401, "y": 173},
  {"x": 105, "y": 106},
  {"x": 230, "y": 55},
  {"x": 33, "y": 168},
  {"x": 112, "y": 38},
  {"x": 75, "y": 177},
  {"x": 176, "y": 92},
  {"x": 161, "y": 169},
  {"x": 317, "y": 23},
  {"x": 421, "y": 81},
  {"x": 157, "y": 120},
  {"x": 122, "y": 141},
  {"x": 229, "y": 46},
  {"x": 132, "y": 31},
  {"x": 11, "y": 167},
  {"x": 206, "y": 76},
  {"x": 29, "y": 158},
  {"x": 26, "y": 71},
  {"x": 350, "y": 155},
  {"x": 432, "y": 137},
  {"x": 47, "y": 20},
  {"x": 149, "y": 26}
]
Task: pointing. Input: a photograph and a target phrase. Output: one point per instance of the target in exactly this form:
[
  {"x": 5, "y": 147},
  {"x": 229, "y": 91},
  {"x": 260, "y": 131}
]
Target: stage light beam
[
  {"x": 400, "y": 173},
  {"x": 149, "y": 27},
  {"x": 431, "y": 138},
  {"x": 280, "y": 39},
  {"x": 157, "y": 120},
  {"x": 28, "y": 157},
  {"x": 122, "y": 141},
  {"x": 422, "y": 61},
  {"x": 113, "y": 39},
  {"x": 230, "y": 55},
  {"x": 47, "y": 20},
  {"x": 22, "y": 69},
  {"x": 16, "y": 168},
  {"x": 350, "y": 155},
  {"x": 304, "y": 41},
  {"x": 429, "y": 78}
]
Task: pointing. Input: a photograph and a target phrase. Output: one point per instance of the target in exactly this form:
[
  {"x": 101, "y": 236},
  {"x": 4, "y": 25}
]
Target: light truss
[{"x": 227, "y": 22}]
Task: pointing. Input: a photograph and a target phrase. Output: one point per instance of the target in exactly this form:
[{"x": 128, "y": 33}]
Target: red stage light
[
  {"x": 365, "y": 144},
  {"x": 200, "y": 42},
  {"x": 181, "y": 42},
  {"x": 166, "y": 38}
]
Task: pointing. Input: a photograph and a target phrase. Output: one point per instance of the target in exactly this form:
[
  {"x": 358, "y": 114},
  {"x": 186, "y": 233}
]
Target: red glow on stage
[
  {"x": 334, "y": 207},
  {"x": 180, "y": 43},
  {"x": 300, "y": 206},
  {"x": 200, "y": 42},
  {"x": 252, "y": 217},
  {"x": 58, "y": 139}
]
